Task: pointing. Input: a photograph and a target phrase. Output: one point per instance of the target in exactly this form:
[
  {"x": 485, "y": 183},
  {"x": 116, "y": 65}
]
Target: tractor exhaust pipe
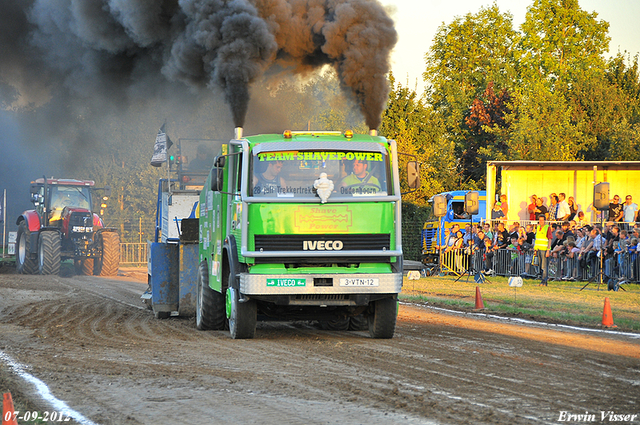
[
  {"x": 238, "y": 133},
  {"x": 373, "y": 132}
]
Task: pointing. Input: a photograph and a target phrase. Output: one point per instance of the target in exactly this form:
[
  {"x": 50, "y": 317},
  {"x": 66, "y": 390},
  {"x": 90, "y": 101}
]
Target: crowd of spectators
[
  {"x": 558, "y": 237},
  {"x": 561, "y": 208}
]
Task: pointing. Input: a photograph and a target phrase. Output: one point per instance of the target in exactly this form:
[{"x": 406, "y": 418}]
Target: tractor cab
[
  {"x": 66, "y": 200},
  {"x": 57, "y": 198},
  {"x": 193, "y": 161}
]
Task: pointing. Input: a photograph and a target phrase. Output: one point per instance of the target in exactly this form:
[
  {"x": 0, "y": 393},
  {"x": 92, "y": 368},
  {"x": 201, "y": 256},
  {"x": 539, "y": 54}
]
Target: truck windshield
[{"x": 307, "y": 174}]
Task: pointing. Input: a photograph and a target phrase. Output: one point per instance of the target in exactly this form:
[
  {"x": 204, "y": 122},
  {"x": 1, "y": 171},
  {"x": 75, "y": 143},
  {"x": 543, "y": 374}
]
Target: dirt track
[{"x": 92, "y": 342}]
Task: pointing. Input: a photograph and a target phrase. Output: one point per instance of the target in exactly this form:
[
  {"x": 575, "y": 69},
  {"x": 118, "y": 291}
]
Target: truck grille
[
  {"x": 427, "y": 238},
  {"x": 351, "y": 242}
]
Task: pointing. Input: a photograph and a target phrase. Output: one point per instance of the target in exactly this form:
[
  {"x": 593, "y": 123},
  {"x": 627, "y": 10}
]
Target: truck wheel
[
  {"x": 210, "y": 307},
  {"x": 24, "y": 263},
  {"x": 335, "y": 324},
  {"x": 242, "y": 316},
  {"x": 84, "y": 267},
  {"x": 382, "y": 321},
  {"x": 109, "y": 263},
  {"x": 358, "y": 323},
  {"x": 49, "y": 252}
]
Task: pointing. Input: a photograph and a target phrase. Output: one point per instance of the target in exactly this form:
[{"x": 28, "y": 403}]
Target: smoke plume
[{"x": 119, "y": 48}]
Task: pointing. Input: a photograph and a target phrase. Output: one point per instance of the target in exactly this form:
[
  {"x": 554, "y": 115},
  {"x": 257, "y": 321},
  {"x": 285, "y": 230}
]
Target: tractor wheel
[
  {"x": 382, "y": 320},
  {"x": 24, "y": 263},
  {"x": 110, "y": 261},
  {"x": 242, "y": 315},
  {"x": 84, "y": 267},
  {"x": 49, "y": 252},
  {"x": 210, "y": 308}
]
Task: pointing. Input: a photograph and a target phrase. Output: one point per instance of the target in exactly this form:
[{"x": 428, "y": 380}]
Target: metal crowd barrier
[
  {"x": 133, "y": 253},
  {"x": 624, "y": 267},
  {"x": 455, "y": 261}
]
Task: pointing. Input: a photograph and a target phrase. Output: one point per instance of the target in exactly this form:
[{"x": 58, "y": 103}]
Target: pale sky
[{"x": 418, "y": 20}]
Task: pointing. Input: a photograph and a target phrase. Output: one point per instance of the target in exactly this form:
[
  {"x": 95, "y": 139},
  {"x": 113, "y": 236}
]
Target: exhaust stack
[
  {"x": 238, "y": 133},
  {"x": 373, "y": 132}
]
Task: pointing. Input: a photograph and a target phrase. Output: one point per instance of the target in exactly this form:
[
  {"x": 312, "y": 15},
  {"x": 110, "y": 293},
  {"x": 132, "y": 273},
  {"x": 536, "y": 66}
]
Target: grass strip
[{"x": 560, "y": 302}]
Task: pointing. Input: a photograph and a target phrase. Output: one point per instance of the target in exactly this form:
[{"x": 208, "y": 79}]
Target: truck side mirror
[
  {"x": 107, "y": 191},
  {"x": 413, "y": 174},
  {"x": 216, "y": 177}
]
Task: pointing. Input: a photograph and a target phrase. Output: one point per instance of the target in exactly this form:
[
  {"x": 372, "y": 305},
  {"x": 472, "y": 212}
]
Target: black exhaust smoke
[{"x": 123, "y": 46}]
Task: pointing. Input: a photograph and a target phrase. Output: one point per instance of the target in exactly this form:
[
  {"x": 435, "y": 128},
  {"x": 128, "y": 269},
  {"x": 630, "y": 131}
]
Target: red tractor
[{"x": 62, "y": 226}]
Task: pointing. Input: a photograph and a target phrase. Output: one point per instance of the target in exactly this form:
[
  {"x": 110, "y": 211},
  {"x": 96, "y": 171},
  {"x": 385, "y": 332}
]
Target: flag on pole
[{"x": 163, "y": 143}]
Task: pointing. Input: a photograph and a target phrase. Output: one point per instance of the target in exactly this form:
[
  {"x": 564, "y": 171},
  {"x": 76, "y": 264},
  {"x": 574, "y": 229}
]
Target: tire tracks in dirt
[{"x": 111, "y": 358}]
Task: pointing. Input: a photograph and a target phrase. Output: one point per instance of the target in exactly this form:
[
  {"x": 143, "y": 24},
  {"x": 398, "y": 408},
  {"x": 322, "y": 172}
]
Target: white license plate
[{"x": 359, "y": 281}]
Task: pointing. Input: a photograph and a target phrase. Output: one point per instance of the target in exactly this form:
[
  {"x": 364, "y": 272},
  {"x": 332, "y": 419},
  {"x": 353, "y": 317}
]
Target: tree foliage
[
  {"x": 465, "y": 57},
  {"x": 540, "y": 127},
  {"x": 559, "y": 41},
  {"x": 545, "y": 92},
  {"x": 419, "y": 133},
  {"x": 625, "y": 142},
  {"x": 485, "y": 118}
]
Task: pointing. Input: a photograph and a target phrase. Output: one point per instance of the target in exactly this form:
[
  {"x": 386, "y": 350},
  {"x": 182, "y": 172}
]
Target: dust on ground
[{"x": 94, "y": 344}]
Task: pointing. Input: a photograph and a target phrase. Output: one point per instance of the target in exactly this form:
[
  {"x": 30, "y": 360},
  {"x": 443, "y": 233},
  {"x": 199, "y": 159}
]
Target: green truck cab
[{"x": 301, "y": 226}]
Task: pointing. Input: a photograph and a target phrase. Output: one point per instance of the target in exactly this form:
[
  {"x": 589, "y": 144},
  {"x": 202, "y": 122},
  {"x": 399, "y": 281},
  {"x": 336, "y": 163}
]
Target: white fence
[{"x": 133, "y": 253}]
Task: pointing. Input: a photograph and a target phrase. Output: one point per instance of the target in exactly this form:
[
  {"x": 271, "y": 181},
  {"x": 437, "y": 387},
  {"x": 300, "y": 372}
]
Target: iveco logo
[{"x": 322, "y": 245}]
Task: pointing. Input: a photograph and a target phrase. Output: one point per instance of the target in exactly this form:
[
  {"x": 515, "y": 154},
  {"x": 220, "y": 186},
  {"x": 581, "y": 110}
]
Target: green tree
[
  {"x": 486, "y": 115},
  {"x": 420, "y": 132},
  {"x": 540, "y": 127},
  {"x": 561, "y": 51},
  {"x": 466, "y": 56},
  {"x": 623, "y": 73},
  {"x": 625, "y": 142},
  {"x": 596, "y": 107},
  {"x": 560, "y": 42}
]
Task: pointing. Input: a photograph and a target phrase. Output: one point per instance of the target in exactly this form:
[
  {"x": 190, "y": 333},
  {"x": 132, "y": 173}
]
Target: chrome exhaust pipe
[
  {"x": 373, "y": 132},
  {"x": 238, "y": 133}
]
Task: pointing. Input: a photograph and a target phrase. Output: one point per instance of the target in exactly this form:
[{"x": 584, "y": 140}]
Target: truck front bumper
[{"x": 320, "y": 284}]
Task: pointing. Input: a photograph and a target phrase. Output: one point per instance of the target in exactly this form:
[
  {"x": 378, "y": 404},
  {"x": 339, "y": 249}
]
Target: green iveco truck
[{"x": 301, "y": 226}]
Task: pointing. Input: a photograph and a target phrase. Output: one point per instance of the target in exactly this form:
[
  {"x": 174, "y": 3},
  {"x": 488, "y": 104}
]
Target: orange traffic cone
[
  {"x": 607, "y": 317},
  {"x": 8, "y": 412},
  {"x": 479, "y": 302}
]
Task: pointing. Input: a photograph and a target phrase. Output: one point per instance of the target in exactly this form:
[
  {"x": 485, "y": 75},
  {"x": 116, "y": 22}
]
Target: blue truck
[
  {"x": 436, "y": 229},
  {"x": 172, "y": 287}
]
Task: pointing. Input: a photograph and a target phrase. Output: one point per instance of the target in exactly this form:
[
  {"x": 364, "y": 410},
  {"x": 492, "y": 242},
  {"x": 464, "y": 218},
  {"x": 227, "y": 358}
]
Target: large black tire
[
  {"x": 49, "y": 246},
  {"x": 358, "y": 323},
  {"x": 110, "y": 262},
  {"x": 24, "y": 263},
  {"x": 335, "y": 324},
  {"x": 382, "y": 318},
  {"x": 210, "y": 308},
  {"x": 242, "y": 315},
  {"x": 84, "y": 267}
]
